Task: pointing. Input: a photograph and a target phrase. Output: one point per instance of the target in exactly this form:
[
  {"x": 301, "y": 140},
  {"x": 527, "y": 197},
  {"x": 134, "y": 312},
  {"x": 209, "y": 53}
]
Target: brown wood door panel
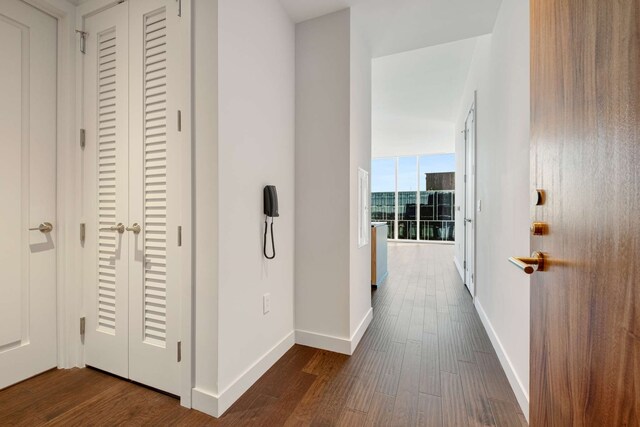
[{"x": 585, "y": 154}]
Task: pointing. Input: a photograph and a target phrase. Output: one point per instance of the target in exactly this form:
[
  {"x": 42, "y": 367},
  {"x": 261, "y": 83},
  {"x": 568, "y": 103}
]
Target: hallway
[{"x": 425, "y": 360}]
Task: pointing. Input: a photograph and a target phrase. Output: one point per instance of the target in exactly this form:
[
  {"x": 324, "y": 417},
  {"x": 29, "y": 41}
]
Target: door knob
[
  {"x": 468, "y": 219},
  {"x": 135, "y": 228},
  {"x": 45, "y": 227},
  {"x": 119, "y": 228},
  {"x": 529, "y": 265}
]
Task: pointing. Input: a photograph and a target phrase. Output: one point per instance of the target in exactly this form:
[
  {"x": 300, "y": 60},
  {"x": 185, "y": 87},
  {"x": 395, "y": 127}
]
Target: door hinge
[
  {"x": 83, "y": 232},
  {"x": 179, "y": 7},
  {"x": 464, "y": 265},
  {"x": 179, "y": 121},
  {"x": 83, "y": 138},
  {"x": 465, "y": 178},
  {"x": 82, "y": 326},
  {"x": 179, "y": 235},
  {"x": 83, "y": 40},
  {"x": 179, "y": 351}
]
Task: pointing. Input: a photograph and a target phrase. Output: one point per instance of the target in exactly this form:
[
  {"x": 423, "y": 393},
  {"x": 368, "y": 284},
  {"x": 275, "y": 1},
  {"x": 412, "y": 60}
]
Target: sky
[{"x": 383, "y": 171}]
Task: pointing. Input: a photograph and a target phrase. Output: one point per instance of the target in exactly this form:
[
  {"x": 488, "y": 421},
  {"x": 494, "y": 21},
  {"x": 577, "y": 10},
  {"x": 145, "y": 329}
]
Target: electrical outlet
[{"x": 266, "y": 303}]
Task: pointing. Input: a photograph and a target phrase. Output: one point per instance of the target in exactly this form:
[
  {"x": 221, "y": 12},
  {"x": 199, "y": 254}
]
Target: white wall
[
  {"x": 503, "y": 187},
  {"x": 256, "y": 148},
  {"x": 333, "y": 125},
  {"x": 244, "y": 140},
  {"x": 322, "y": 175}
]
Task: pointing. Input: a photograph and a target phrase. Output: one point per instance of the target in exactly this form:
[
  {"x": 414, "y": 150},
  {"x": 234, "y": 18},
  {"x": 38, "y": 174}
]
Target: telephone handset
[
  {"x": 271, "y": 201},
  {"x": 270, "y": 196}
]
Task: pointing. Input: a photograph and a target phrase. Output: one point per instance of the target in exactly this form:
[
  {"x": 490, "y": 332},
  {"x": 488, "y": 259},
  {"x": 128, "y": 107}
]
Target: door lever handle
[
  {"x": 45, "y": 227},
  {"x": 529, "y": 265},
  {"x": 119, "y": 228},
  {"x": 135, "y": 228}
]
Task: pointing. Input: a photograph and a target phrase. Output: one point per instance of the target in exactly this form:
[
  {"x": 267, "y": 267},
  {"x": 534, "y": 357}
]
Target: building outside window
[{"x": 397, "y": 183}]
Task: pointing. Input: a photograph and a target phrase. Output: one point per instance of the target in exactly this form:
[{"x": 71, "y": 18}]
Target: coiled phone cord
[{"x": 273, "y": 245}]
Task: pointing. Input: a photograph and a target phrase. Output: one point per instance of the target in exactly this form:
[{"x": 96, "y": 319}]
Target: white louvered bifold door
[
  {"x": 105, "y": 195},
  {"x": 154, "y": 195}
]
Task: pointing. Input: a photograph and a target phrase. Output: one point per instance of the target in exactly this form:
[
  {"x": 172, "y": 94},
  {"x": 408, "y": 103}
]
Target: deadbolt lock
[{"x": 539, "y": 228}]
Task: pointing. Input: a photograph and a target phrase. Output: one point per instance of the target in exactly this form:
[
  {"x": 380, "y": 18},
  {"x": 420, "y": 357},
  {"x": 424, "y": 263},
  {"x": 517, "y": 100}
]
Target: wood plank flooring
[{"x": 425, "y": 360}]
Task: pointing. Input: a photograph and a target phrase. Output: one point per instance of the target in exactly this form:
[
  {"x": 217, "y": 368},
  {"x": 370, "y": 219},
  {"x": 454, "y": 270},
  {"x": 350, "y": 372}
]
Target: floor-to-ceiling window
[
  {"x": 383, "y": 193},
  {"x": 407, "y": 194},
  {"x": 415, "y": 196}
]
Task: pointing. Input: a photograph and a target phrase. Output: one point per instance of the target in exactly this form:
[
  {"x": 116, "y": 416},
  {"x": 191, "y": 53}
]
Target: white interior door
[
  {"x": 470, "y": 200},
  {"x": 154, "y": 300},
  {"x": 106, "y": 251},
  {"x": 132, "y": 167},
  {"x": 28, "y": 39}
]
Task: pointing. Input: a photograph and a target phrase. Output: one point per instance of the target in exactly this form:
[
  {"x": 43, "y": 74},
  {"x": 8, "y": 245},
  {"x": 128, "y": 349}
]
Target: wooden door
[
  {"x": 585, "y": 309},
  {"x": 28, "y": 39}
]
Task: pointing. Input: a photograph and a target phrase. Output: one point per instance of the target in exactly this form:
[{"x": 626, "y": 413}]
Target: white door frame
[
  {"x": 470, "y": 186},
  {"x": 186, "y": 276}
]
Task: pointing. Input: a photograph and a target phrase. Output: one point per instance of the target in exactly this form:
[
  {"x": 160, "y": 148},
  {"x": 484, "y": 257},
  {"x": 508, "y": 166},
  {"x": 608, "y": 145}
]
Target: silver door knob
[
  {"x": 135, "y": 228},
  {"x": 119, "y": 228},
  {"x": 45, "y": 227}
]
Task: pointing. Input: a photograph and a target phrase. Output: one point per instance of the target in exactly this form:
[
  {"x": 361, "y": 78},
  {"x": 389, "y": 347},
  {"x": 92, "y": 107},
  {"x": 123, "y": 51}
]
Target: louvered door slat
[
  {"x": 155, "y": 176},
  {"x": 106, "y": 119}
]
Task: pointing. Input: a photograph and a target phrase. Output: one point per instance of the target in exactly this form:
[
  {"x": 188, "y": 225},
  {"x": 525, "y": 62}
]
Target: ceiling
[
  {"x": 394, "y": 26},
  {"x": 416, "y": 96}
]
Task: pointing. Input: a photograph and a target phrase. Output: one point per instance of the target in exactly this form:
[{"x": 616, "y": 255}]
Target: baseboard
[
  {"x": 381, "y": 279},
  {"x": 332, "y": 343},
  {"x": 522, "y": 394},
  {"x": 361, "y": 329},
  {"x": 204, "y": 401},
  {"x": 216, "y": 405},
  {"x": 459, "y": 268}
]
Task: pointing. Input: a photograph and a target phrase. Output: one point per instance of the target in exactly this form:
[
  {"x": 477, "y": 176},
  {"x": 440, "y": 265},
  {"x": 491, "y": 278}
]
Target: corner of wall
[{"x": 216, "y": 404}]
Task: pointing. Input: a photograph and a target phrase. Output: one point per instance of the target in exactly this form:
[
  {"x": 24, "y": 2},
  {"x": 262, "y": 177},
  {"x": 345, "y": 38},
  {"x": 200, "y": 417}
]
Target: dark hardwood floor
[{"x": 425, "y": 360}]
